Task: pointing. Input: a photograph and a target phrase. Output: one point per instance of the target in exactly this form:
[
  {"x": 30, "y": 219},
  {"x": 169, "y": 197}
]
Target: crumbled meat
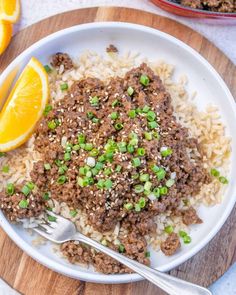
[
  {"x": 111, "y": 48},
  {"x": 76, "y": 252},
  {"x": 213, "y": 5},
  {"x": 190, "y": 216},
  {"x": 64, "y": 59},
  {"x": 171, "y": 244}
]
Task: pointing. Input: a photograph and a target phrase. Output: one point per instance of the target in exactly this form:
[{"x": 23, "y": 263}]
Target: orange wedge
[
  {"x": 24, "y": 106},
  {"x": 5, "y": 35},
  {"x": 10, "y": 10}
]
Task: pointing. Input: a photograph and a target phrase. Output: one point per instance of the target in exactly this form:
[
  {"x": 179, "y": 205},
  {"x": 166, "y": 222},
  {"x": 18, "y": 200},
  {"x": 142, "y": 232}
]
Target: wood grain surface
[{"x": 31, "y": 278}]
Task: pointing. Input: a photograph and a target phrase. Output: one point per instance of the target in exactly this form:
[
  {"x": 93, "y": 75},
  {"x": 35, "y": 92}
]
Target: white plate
[{"x": 202, "y": 77}]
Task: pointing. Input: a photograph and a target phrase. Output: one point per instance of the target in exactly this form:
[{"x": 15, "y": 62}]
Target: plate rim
[{"x": 117, "y": 278}]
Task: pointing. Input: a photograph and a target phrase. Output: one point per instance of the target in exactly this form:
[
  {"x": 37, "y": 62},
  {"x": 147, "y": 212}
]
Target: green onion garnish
[
  {"x": 64, "y": 86},
  {"x": 141, "y": 152},
  {"x": 107, "y": 171},
  {"x": 132, "y": 114},
  {"x": 122, "y": 146},
  {"x": 147, "y": 187},
  {"x": 182, "y": 233},
  {"x": 128, "y": 206},
  {"x": 130, "y": 90},
  {"x": 166, "y": 152},
  {"x": 130, "y": 148},
  {"x": 136, "y": 162},
  {"x": 108, "y": 183},
  {"x": 147, "y": 254},
  {"x": 138, "y": 188},
  {"x": 155, "y": 168},
  {"x": 52, "y": 125},
  {"x": 94, "y": 101},
  {"x": 2, "y": 154},
  {"x": 47, "y": 69},
  {"x": 163, "y": 190},
  {"x": 170, "y": 182},
  {"x": 47, "y": 166},
  {"x": 114, "y": 115},
  {"x": 81, "y": 138},
  {"x": 223, "y": 180},
  {"x": 215, "y": 172},
  {"x": 160, "y": 174},
  {"x": 25, "y": 190},
  {"x": 47, "y": 110},
  {"x": 137, "y": 208},
  {"x": 156, "y": 192},
  {"x": 10, "y": 189},
  {"x": 62, "y": 169},
  {"x": 144, "y": 177},
  {"x": 121, "y": 248},
  {"x": 145, "y": 109},
  {"x": 94, "y": 152},
  {"x": 148, "y": 135},
  {"x": 99, "y": 166},
  {"x": 5, "y": 169},
  {"x": 151, "y": 116},
  {"x": 100, "y": 184},
  {"x": 119, "y": 126},
  {"x": 152, "y": 125},
  {"x": 88, "y": 147},
  {"x": 118, "y": 168},
  {"x": 187, "y": 239},
  {"x": 169, "y": 229},
  {"x": 23, "y": 204},
  {"x": 67, "y": 156},
  {"x": 115, "y": 103},
  {"x": 144, "y": 80},
  {"x": 58, "y": 162},
  {"x": 142, "y": 202},
  {"x": 73, "y": 213},
  {"x": 76, "y": 147},
  {"x": 46, "y": 196},
  {"x": 52, "y": 218},
  {"x": 90, "y": 115},
  {"x": 61, "y": 179}
]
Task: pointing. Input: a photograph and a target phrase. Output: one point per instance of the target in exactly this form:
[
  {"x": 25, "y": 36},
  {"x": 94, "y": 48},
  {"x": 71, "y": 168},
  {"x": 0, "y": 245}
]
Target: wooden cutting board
[{"x": 31, "y": 278}]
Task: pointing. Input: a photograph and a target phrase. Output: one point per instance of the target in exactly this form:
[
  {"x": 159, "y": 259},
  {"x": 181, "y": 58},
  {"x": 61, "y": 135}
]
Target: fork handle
[{"x": 171, "y": 285}]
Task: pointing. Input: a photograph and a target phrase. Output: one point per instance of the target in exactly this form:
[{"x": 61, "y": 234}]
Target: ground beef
[
  {"x": 87, "y": 110},
  {"x": 111, "y": 48},
  {"x": 212, "y": 5},
  {"x": 190, "y": 216},
  {"x": 64, "y": 59},
  {"x": 171, "y": 244}
]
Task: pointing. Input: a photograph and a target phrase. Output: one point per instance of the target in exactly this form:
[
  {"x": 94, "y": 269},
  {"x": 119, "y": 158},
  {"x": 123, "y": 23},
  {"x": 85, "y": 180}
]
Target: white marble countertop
[{"x": 223, "y": 36}]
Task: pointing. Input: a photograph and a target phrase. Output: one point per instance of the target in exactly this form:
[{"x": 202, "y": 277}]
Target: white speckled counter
[{"x": 223, "y": 36}]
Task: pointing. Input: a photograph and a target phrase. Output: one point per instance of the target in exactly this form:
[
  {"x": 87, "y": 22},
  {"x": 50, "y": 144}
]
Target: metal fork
[{"x": 62, "y": 230}]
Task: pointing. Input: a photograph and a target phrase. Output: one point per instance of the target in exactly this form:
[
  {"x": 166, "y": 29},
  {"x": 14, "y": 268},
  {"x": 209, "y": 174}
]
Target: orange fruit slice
[
  {"x": 5, "y": 35},
  {"x": 10, "y": 10},
  {"x": 24, "y": 106}
]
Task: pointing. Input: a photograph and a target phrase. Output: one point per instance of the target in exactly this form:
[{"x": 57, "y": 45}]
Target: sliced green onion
[
  {"x": 23, "y": 204},
  {"x": 144, "y": 177},
  {"x": 104, "y": 242},
  {"x": 52, "y": 125},
  {"x": 142, "y": 202},
  {"x": 144, "y": 80},
  {"x": 81, "y": 138},
  {"x": 64, "y": 86},
  {"x": 82, "y": 181},
  {"x": 182, "y": 233},
  {"x": 128, "y": 206},
  {"x": 135, "y": 176},
  {"x": 114, "y": 115},
  {"x": 76, "y": 147},
  {"x": 10, "y": 189},
  {"x": 90, "y": 115},
  {"x": 107, "y": 171},
  {"x": 155, "y": 134},
  {"x": 73, "y": 213},
  {"x": 166, "y": 152},
  {"x": 95, "y": 171},
  {"x": 141, "y": 152},
  {"x": 47, "y": 110},
  {"x": 67, "y": 156},
  {"x": 147, "y": 254},
  {"x": 62, "y": 169},
  {"x": 47, "y": 69},
  {"x": 187, "y": 239},
  {"x": 156, "y": 192},
  {"x": 155, "y": 168},
  {"x": 61, "y": 179},
  {"x": 52, "y": 218},
  {"x": 137, "y": 208},
  {"x": 122, "y": 146},
  {"x": 163, "y": 190},
  {"x": 151, "y": 116},
  {"x": 88, "y": 147},
  {"x": 25, "y": 190},
  {"x": 145, "y": 109},
  {"x": 148, "y": 135},
  {"x": 136, "y": 162},
  {"x": 46, "y": 196},
  {"x": 2, "y": 154},
  {"x": 58, "y": 162},
  {"x": 130, "y": 90},
  {"x": 119, "y": 126},
  {"x": 138, "y": 111},
  {"x": 132, "y": 114},
  {"x": 170, "y": 182},
  {"x": 169, "y": 229},
  {"x": 223, "y": 180},
  {"x": 215, "y": 172},
  {"x": 100, "y": 184},
  {"x": 130, "y": 148},
  {"x": 94, "y": 152},
  {"x": 138, "y": 188},
  {"x": 5, "y": 169},
  {"x": 95, "y": 120},
  {"x": 121, "y": 248},
  {"x": 99, "y": 166},
  {"x": 160, "y": 174},
  {"x": 108, "y": 184},
  {"x": 152, "y": 125},
  {"x": 147, "y": 186},
  {"x": 115, "y": 103},
  {"x": 47, "y": 166},
  {"x": 94, "y": 101},
  {"x": 118, "y": 168}
]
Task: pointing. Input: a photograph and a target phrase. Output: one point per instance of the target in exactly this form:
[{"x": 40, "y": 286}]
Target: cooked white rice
[{"x": 206, "y": 126}]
